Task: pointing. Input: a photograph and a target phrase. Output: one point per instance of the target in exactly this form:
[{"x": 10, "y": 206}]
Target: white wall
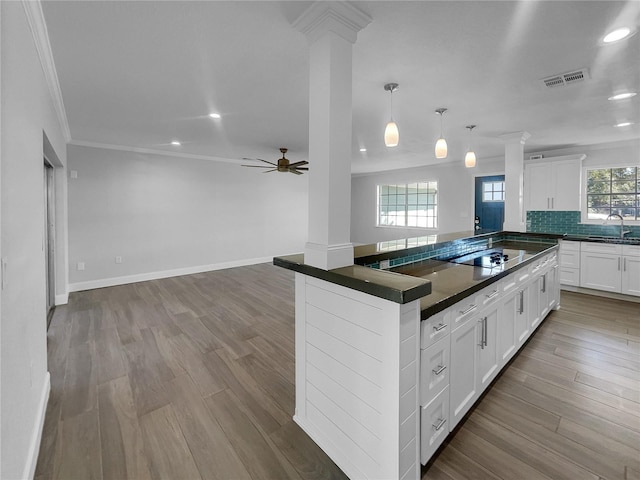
[
  {"x": 165, "y": 215},
  {"x": 27, "y": 112},
  {"x": 455, "y": 199}
]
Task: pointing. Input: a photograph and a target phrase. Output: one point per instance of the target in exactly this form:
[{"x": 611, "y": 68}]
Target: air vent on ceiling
[{"x": 568, "y": 78}]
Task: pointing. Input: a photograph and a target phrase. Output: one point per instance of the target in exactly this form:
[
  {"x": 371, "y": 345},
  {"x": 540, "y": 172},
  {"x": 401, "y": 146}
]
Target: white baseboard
[
  {"x": 36, "y": 436},
  {"x": 62, "y": 299},
  {"x": 144, "y": 277},
  {"x": 601, "y": 293}
]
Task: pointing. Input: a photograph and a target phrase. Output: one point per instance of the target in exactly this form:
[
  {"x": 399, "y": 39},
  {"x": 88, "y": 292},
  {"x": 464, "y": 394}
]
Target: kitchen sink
[{"x": 623, "y": 241}]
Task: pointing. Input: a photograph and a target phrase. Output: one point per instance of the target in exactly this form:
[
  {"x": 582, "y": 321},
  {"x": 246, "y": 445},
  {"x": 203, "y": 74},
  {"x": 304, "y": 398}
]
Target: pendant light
[
  {"x": 470, "y": 157},
  {"x": 391, "y": 134},
  {"x": 441, "y": 144}
]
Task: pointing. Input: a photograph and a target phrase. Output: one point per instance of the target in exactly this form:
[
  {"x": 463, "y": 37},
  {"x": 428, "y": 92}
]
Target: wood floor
[{"x": 193, "y": 378}]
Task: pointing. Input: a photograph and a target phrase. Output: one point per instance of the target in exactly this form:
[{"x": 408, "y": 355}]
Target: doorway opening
[
  {"x": 489, "y": 203},
  {"x": 49, "y": 238}
]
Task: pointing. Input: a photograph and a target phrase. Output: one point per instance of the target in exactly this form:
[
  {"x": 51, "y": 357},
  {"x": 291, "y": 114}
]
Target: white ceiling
[{"x": 141, "y": 74}]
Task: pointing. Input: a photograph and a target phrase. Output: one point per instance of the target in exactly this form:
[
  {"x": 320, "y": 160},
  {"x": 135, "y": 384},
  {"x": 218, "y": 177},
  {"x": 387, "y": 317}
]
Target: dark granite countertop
[
  {"x": 438, "y": 284},
  {"x": 379, "y": 283},
  {"x": 603, "y": 239},
  {"x": 451, "y": 282}
]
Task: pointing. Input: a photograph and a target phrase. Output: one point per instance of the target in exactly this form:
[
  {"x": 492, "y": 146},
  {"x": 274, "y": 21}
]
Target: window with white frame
[
  {"x": 613, "y": 190},
  {"x": 408, "y": 205},
  {"x": 493, "y": 191}
]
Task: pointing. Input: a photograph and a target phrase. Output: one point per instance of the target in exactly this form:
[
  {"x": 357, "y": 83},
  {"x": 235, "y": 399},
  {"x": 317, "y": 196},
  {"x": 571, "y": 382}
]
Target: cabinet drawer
[
  {"x": 568, "y": 246},
  {"x": 434, "y": 425},
  {"x": 434, "y": 328},
  {"x": 570, "y": 276},
  {"x": 463, "y": 311},
  {"x": 434, "y": 370},
  {"x": 592, "y": 247},
  {"x": 570, "y": 259},
  {"x": 631, "y": 250},
  {"x": 489, "y": 295}
]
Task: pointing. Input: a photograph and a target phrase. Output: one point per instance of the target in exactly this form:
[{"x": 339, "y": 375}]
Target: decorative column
[
  {"x": 514, "y": 215},
  {"x": 331, "y": 29}
]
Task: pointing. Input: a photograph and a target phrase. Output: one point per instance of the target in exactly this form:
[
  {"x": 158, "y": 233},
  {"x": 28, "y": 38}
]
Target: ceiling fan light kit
[{"x": 282, "y": 166}]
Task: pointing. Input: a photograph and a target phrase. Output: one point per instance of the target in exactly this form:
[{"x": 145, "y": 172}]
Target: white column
[
  {"x": 514, "y": 181},
  {"x": 331, "y": 28}
]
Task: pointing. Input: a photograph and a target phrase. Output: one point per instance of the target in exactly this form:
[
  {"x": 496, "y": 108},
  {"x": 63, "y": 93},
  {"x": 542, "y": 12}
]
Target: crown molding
[
  {"x": 515, "y": 137},
  {"x": 35, "y": 17},
  {"x": 339, "y": 17},
  {"x": 151, "y": 151}
]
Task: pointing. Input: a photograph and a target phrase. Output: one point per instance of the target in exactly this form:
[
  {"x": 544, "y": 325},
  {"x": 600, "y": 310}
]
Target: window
[
  {"x": 613, "y": 190},
  {"x": 408, "y": 205},
  {"x": 493, "y": 191}
]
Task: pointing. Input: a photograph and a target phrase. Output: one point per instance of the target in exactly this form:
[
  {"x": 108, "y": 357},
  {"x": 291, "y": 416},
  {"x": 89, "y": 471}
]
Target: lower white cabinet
[
  {"x": 483, "y": 332},
  {"x": 434, "y": 426},
  {"x": 569, "y": 263},
  {"x": 610, "y": 267}
]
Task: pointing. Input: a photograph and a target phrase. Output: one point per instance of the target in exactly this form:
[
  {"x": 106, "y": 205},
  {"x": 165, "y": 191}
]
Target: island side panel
[{"x": 357, "y": 362}]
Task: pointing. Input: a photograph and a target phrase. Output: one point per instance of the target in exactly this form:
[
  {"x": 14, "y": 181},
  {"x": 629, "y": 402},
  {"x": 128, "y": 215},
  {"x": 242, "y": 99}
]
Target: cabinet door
[
  {"x": 601, "y": 271},
  {"x": 538, "y": 182},
  {"x": 566, "y": 182},
  {"x": 543, "y": 292},
  {"x": 507, "y": 339},
  {"x": 488, "y": 347},
  {"x": 554, "y": 287},
  {"x": 433, "y": 425},
  {"x": 533, "y": 295},
  {"x": 434, "y": 370},
  {"x": 463, "y": 382},
  {"x": 523, "y": 327},
  {"x": 631, "y": 275}
]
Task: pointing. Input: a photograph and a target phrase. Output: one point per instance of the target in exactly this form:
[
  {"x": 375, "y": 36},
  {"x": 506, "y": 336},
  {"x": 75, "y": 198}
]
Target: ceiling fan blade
[
  {"x": 302, "y": 162},
  {"x": 256, "y": 166},
  {"x": 262, "y": 160},
  {"x": 272, "y": 170},
  {"x": 302, "y": 168},
  {"x": 294, "y": 170}
]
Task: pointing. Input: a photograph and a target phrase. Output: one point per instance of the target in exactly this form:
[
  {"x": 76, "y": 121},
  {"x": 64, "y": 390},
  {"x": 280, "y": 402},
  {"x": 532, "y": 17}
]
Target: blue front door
[{"x": 489, "y": 203}]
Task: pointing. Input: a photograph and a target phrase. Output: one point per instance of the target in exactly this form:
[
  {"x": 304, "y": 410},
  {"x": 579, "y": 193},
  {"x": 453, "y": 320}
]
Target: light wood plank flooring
[{"x": 193, "y": 378}]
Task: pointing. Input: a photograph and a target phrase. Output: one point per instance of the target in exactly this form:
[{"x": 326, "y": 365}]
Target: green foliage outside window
[{"x": 613, "y": 190}]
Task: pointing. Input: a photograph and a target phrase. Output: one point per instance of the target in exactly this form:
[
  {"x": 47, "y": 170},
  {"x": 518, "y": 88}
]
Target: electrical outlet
[
  {"x": 80, "y": 265},
  {"x": 74, "y": 174},
  {"x": 118, "y": 259}
]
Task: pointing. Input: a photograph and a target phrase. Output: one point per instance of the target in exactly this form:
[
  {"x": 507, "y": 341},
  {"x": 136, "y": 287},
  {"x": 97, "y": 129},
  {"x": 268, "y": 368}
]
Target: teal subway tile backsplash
[{"x": 569, "y": 223}]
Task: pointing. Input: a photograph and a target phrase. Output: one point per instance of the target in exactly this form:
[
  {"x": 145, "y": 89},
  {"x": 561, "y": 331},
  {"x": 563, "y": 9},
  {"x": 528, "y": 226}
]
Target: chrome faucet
[{"x": 623, "y": 232}]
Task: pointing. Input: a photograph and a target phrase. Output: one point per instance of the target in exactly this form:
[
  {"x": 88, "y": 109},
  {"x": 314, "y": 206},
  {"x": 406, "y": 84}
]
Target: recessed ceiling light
[
  {"x": 363, "y": 149},
  {"x": 214, "y": 115},
  {"x": 617, "y": 34},
  {"x": 623, "y": 124},
  {"x": 622, "y": 96},
  {"x": 176, "y": 143}
]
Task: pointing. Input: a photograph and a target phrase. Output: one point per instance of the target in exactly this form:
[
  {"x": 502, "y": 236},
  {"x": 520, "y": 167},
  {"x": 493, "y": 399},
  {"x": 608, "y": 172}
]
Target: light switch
[
  {"x": 73, "y": 174},
  {"x": 118, "y": 259},
  {"x": 80, "y": 265}
]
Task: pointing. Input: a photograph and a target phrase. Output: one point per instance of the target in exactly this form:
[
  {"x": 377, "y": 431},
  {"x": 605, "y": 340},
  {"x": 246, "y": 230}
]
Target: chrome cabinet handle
[
  {"x": 440, "y": 423},
  {"x": 552, "y": 202},
  {"x": 492, "y": 294},
  {"x": 544, "y": 283},
  {"x": 471, "y": 307},
  {"x": 618, "y": 263},
  {"x": 439, "y": 327},
  {"x": 521, "y": 309},
  {"x": 439, "y": 369},
  {"x": 625, "y": 265},
  {"x": 484, "y": 332}
]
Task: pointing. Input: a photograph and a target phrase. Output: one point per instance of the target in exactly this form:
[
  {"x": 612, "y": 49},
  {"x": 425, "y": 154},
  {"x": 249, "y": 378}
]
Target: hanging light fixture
[
  {"x": 391, "y": 134},
  {"x": 441, "y": 144},
  {"x": 470, "y": 157}
]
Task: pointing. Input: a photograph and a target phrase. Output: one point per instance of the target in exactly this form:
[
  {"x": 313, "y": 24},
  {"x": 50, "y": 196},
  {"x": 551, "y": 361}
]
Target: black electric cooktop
[{"x": 492, "y": 258}]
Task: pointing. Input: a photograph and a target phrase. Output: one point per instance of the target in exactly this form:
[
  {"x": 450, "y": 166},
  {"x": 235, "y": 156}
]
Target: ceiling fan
[{"x": 283, "y": 164}]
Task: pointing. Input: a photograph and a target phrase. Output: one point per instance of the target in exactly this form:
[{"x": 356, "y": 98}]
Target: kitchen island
[{"x": 393, "y": 351}]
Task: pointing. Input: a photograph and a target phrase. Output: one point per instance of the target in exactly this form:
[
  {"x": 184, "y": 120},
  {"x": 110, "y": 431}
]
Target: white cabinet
[
  {"x": 630, "y": 284},
  {"x": 434, "y": 365},
  {"x": 487, "y": 348},
  {"x": 507, "y": 338},
  {"x": 553, "y": 184},
  {"x": 463, "y": 386},
  {"x": 433, "y": 425},
  {"x": 569, "y": 263}
]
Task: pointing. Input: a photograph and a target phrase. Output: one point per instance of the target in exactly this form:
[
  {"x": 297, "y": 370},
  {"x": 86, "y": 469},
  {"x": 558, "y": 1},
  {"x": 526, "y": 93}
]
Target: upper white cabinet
[{"x": 553, "y": 183}]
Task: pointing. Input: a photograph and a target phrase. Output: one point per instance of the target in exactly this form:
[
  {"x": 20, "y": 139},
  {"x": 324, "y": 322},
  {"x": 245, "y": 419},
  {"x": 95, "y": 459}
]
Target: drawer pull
[
  {"x": 471, "y": 307},
  {"x": 439, "y": 327},
  {"x": 440, "y": 423},
  {"x": 439, "y": 369},
  {"x": 492, "y": 294}
]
